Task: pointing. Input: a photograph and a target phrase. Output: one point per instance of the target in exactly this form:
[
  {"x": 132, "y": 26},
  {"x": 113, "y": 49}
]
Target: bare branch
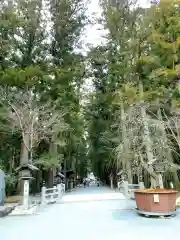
[
  {"x": 33, "y": 118},
  {"x": 20, "y": 123}
]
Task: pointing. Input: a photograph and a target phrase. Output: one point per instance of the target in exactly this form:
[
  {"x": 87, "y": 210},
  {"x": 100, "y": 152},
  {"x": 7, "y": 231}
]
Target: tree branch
[{"x": 20, "y": 123}]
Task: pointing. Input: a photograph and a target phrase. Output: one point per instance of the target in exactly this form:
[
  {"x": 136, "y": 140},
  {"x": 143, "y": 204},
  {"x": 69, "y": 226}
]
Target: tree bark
[
  {"x": 125, "y": 140},
  {"x": 50, "y": 178},
  {"x": 166, "y": 151},
  {"x": 146, "y": 137},
  {"x": 52, "y": 171},
  {"x": 160, "y": 180},
  {"x": 24, "y": 158}
]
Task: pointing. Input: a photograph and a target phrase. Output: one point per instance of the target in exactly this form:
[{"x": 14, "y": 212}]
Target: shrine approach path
[{"x": 90, "y": 213}]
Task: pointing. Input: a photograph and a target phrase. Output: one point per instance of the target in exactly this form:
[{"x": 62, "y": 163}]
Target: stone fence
[{"x": 52, "y": 195}]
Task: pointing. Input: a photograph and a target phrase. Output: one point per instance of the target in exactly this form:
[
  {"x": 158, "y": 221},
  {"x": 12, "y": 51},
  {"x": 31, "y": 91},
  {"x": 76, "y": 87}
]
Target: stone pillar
[
  {"x": 71, "y": 184},
  {"x": 26, "y": 195},
  {"x": 63, "y": 187},
  {"x": 43, "y": 195}
]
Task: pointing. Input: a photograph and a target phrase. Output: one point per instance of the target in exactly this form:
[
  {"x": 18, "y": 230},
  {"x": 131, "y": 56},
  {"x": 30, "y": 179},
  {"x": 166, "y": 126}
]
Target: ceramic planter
[{"x": 156, "y": 201}]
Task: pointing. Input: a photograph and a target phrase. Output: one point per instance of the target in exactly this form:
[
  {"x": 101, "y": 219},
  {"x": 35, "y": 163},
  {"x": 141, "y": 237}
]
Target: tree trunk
[
  {"x": 65, "y": 173},
  {"x": 146, "y": 136},
  {"x": 129, "y": 171},
  {"x": 160, "y": 180},
  {"x": 126, "y": 162},
  {"x": 50, "y": 178},
  {"x": 166, "y": 151},
  {"x": 52, "y": 171},
  {"x": 38, "y": 181},
  {"x": 24, "y": 158},
  {"x": 152, "y": 179}
]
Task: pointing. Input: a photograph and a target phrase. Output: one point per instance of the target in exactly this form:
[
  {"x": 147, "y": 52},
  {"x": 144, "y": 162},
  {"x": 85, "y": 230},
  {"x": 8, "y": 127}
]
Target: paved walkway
[{"x": 89, "y": 220}]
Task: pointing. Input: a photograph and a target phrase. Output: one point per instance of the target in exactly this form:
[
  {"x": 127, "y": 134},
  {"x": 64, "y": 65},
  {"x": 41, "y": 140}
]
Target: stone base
[
  {"x": 159, "y": 214},
  {"x": 153, "y": 214},
  {"x": 20, "y": 211}
]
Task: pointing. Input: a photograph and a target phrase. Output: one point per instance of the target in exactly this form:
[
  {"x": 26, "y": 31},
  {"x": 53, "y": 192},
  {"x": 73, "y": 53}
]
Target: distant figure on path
[
  {"x": 98, "y": 182},
  {"x": 84, "y": 182}
]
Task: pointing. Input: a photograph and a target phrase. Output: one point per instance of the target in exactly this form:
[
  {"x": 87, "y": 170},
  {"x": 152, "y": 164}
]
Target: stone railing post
[
  {"x": 141, "y": 185},
  {"x": 71, "y": 184},
  {"x": 118, "y": 185},
  {"x": 59, "y": 188},
  {"x": 63, "y": 186},
  {"x": 125, "y": 186},
  {"x": 171, "y": 185},
  {"x": 43, "y": 195},
  {"x": 53, "y": 193}
]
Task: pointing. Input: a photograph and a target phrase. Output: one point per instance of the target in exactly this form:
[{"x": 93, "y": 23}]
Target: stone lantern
[{"x": 26, "y": 175}]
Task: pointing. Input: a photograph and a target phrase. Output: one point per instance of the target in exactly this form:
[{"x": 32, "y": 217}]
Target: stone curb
[{"x": 7, "y": 210}]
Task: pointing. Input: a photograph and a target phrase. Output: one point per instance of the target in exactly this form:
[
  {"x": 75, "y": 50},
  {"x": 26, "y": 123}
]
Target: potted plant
[{"x": 156, "y": 201}]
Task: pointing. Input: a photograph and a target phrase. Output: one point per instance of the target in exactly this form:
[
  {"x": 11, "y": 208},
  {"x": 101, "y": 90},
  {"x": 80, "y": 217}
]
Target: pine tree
[{"x": 68, "y": 18}]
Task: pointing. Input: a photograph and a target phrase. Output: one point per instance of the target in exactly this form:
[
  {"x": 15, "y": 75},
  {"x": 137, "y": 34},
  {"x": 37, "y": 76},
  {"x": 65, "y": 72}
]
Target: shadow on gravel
[{"x": 135, "y": 219}]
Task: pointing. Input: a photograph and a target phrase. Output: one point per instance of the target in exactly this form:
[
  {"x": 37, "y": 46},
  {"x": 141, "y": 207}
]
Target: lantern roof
[{"x": 26, "y": 167}]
